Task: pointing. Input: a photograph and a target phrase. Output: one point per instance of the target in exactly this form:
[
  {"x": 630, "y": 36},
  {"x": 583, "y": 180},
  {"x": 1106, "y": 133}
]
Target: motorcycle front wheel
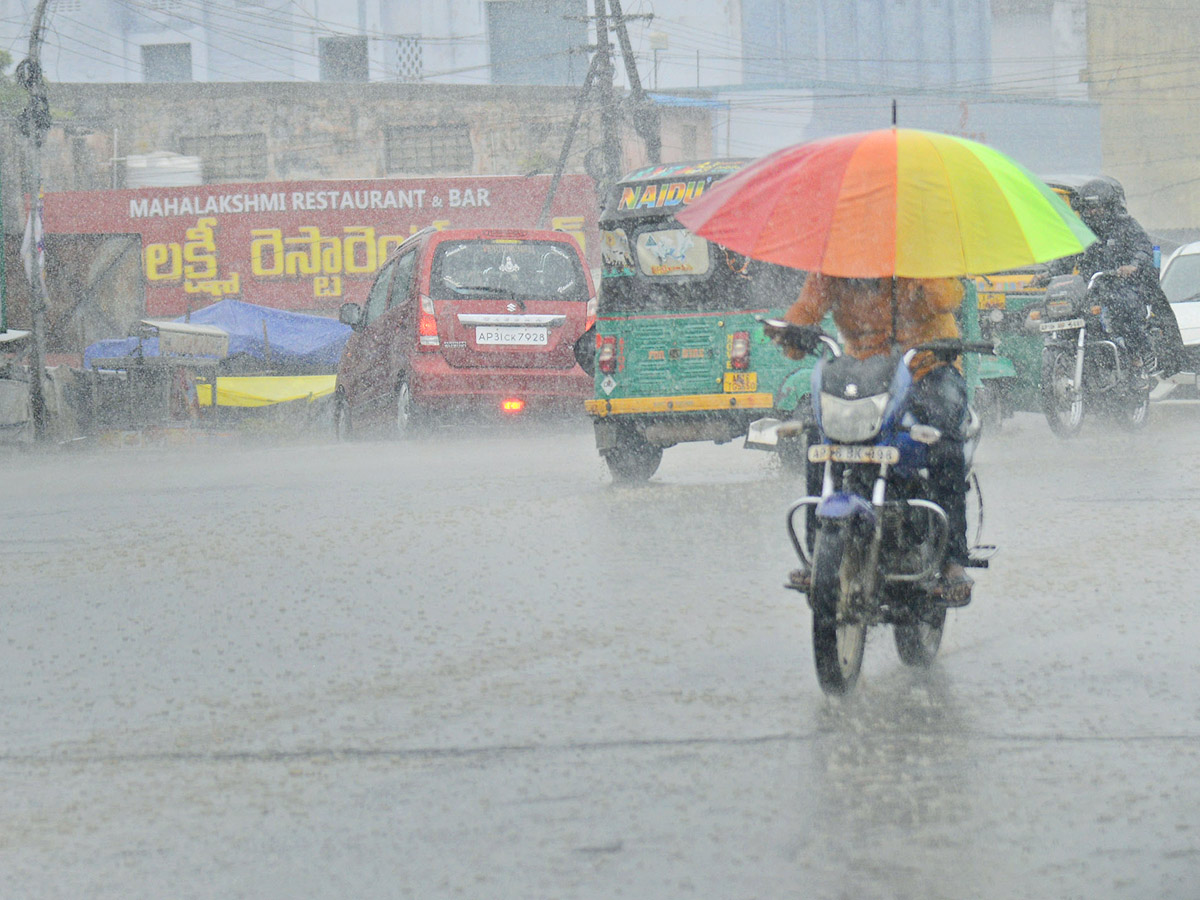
[
  {"x": 839, "y": 638},
  {"x": 1062, "y": 400}
]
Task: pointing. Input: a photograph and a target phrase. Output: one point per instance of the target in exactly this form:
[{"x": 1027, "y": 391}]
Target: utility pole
[
  {"x": 610, "y": 142},
  {"x": 599, "y": 81},
  {"x": 34, "y": 122},
  {"x": 644, "y": 113}
]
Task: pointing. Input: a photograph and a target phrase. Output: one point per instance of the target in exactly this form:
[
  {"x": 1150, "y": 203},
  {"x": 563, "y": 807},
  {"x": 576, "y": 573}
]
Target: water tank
[{"x": 162, "y": 169}]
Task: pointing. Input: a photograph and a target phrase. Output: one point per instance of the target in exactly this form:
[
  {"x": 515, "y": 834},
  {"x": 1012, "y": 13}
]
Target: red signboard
[{"x": 304, "y": 245}]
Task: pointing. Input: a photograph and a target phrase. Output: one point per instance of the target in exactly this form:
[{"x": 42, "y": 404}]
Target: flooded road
[{"x": 472, "y": 667}]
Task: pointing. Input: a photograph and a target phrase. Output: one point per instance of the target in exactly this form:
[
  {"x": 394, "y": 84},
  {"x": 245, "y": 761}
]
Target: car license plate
[
  {"x": 1063, "y": 325},
  {"x": 741, "y": 382},
  {"x": 511, "y": 335},
  {"x": 852, "y": 453}
]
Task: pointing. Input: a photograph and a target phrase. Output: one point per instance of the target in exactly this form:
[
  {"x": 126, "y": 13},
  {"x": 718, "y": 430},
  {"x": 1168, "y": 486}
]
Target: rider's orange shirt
[{"x": 862, "y": 311}]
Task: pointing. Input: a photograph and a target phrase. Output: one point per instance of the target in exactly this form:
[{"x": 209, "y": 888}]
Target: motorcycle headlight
[{"x": 852, "y": 421}]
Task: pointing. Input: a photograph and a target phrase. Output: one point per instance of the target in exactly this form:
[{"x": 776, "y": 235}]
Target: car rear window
[{"x": 507, "y": 269}]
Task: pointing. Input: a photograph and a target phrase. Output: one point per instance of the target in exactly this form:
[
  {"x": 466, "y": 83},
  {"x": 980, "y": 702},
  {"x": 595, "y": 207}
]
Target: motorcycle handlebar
[
  {"x": 946, "y": 349},
  {"x": 806, "y": 338}
]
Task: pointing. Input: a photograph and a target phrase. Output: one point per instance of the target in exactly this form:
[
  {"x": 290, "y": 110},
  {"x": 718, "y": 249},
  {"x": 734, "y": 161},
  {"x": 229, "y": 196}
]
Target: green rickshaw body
[
  {"x": 1012, "y": 378},
  {"x": 680, "y": 350}
]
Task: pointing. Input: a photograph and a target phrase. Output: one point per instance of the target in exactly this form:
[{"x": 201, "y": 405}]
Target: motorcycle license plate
[
  {"x": 1063, "y": 325},
  {"x": 852, "y": 453}
]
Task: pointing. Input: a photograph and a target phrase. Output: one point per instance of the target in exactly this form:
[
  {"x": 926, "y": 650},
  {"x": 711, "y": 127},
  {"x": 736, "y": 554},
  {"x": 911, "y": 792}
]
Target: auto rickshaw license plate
[
  {"x": 741, "y": 382},
  {"x": 852, "y": 453},
  {"x": 1063, "y": 325}
]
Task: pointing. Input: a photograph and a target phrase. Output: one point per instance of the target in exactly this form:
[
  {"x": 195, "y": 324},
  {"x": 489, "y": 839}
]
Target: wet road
[{"x": 474, "y": 668}]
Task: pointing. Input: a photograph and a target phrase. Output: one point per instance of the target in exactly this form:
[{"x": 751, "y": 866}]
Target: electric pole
[
  {"x": 610, "y": 141},
  {"x": 644, "y": 113},
  {"x": 34, "y": 122},
  {"x": 599, "y": 81}
]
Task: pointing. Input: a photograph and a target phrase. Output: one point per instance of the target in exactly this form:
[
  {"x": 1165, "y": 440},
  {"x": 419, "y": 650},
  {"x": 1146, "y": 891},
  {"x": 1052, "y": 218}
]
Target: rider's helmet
[{"x": 1099, "y": 202}]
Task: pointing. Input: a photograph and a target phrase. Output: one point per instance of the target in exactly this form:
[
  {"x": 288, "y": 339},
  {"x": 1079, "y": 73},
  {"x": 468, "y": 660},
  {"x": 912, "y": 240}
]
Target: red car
[{"x": 467, "y": 319}]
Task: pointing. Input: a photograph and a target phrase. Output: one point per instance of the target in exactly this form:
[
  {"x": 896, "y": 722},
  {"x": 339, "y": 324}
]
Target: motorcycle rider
[
  {"x": 875, "y": 315},
  {"x": 1122, "y": 246}
]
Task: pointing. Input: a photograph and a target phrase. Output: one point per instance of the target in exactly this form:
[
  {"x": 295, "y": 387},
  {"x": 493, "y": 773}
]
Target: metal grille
[
  {"x": 440, "y": 149},
  {"x": 229, "y": 157},
  {"x": 409, "y": 65}
]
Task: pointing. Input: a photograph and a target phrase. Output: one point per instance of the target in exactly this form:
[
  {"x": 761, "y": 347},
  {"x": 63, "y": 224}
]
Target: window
[
  {"x": 166, "y": 62},
  {"x": 344, "y": 59},
  {"x": 403, "y": 281},
  {"x": 439, "y": 149},
  {"x": 513, "y": 270},
  {"x": 378, "y": 295},
  {"x": 409, "y": 64},
  {"x": 229, "y": 157},
  {"x": 538, "y": 41}
]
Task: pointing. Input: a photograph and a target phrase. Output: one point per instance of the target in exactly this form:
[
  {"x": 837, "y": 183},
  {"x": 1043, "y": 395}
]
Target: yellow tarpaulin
[{"x": 266, "y": 390}]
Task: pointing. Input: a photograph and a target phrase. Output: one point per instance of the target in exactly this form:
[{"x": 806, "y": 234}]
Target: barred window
[
  {"x": 439, "y": 149},
  {"x": 229, "y": 157},
  {"x": 409, "y": 63}
]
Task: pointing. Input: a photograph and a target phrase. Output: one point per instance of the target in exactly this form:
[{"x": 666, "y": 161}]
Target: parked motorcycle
[
  {"x": 1085, "y": 365},
  {"x": 871, "y": 543}
]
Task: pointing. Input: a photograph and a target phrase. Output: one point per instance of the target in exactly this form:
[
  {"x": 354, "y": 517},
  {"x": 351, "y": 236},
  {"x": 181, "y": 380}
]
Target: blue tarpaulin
[{"x": 286, "y": 340}]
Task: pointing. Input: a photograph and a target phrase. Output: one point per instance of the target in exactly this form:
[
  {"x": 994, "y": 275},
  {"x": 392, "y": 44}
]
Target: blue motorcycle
[{"x": 871, "y": 542}]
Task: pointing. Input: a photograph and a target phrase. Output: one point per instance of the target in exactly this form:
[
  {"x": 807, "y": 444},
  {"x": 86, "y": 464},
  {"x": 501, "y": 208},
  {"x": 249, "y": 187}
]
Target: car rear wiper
[{"x": 485, "y": 289}]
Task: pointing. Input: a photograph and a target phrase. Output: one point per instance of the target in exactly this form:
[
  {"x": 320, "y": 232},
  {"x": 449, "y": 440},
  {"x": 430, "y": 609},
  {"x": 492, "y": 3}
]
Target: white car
[{"x": 1180, "y": 281}]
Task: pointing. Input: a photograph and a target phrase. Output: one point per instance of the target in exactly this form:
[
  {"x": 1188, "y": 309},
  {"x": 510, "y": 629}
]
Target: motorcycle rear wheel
[
  {"x": 917, "y": 642},
  {"x": 838, "y": 642},
  {"x": 1062, "y": 402}
]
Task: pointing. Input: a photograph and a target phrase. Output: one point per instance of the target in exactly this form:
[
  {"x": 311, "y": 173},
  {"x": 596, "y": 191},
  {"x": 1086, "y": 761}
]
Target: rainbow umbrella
[{"x": 894, "y": 202}]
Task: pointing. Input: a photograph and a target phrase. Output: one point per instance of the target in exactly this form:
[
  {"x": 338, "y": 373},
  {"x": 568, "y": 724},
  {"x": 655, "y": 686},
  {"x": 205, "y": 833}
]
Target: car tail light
[
  {"x": 606, "y": 354},
  {"x": 427, "y": 332},
  {"x": 591, "y": 314},
  {"x": 512, "y": 405},
  {"x": 739, "y": 350}
]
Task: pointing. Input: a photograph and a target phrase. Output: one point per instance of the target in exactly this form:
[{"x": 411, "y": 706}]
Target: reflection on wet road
[{"x": 471, "y": 667}]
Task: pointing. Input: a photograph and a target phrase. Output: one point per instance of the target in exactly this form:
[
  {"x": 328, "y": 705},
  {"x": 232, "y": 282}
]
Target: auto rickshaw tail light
[
  {"x": 512, "y": 405},
  {"x": 739, "y": 350},
  {"x": 427, "y": 330},
  {"x": 1095, "y": 310},
  {"x": 606, "y": 355}
]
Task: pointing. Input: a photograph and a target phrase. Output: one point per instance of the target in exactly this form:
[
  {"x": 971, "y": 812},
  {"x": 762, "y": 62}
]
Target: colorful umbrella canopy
[{"x": 898, "y": 201}]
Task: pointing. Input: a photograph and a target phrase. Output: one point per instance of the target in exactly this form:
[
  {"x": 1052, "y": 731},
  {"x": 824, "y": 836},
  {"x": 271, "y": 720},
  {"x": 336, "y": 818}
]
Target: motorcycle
[
  {"x": 872, "y": 545},
  {"x": 1085, "y": 365}
]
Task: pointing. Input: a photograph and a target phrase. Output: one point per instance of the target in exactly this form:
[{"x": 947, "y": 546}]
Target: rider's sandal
[
  {"x": 800, "y": 580},
  {"x": 954, "y": 592}
]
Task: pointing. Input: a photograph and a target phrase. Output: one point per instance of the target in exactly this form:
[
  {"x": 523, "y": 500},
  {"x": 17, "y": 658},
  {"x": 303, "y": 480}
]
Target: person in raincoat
[
  {"x": 1123, "y": 247},
  {"x": 873, "y": 315}
]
